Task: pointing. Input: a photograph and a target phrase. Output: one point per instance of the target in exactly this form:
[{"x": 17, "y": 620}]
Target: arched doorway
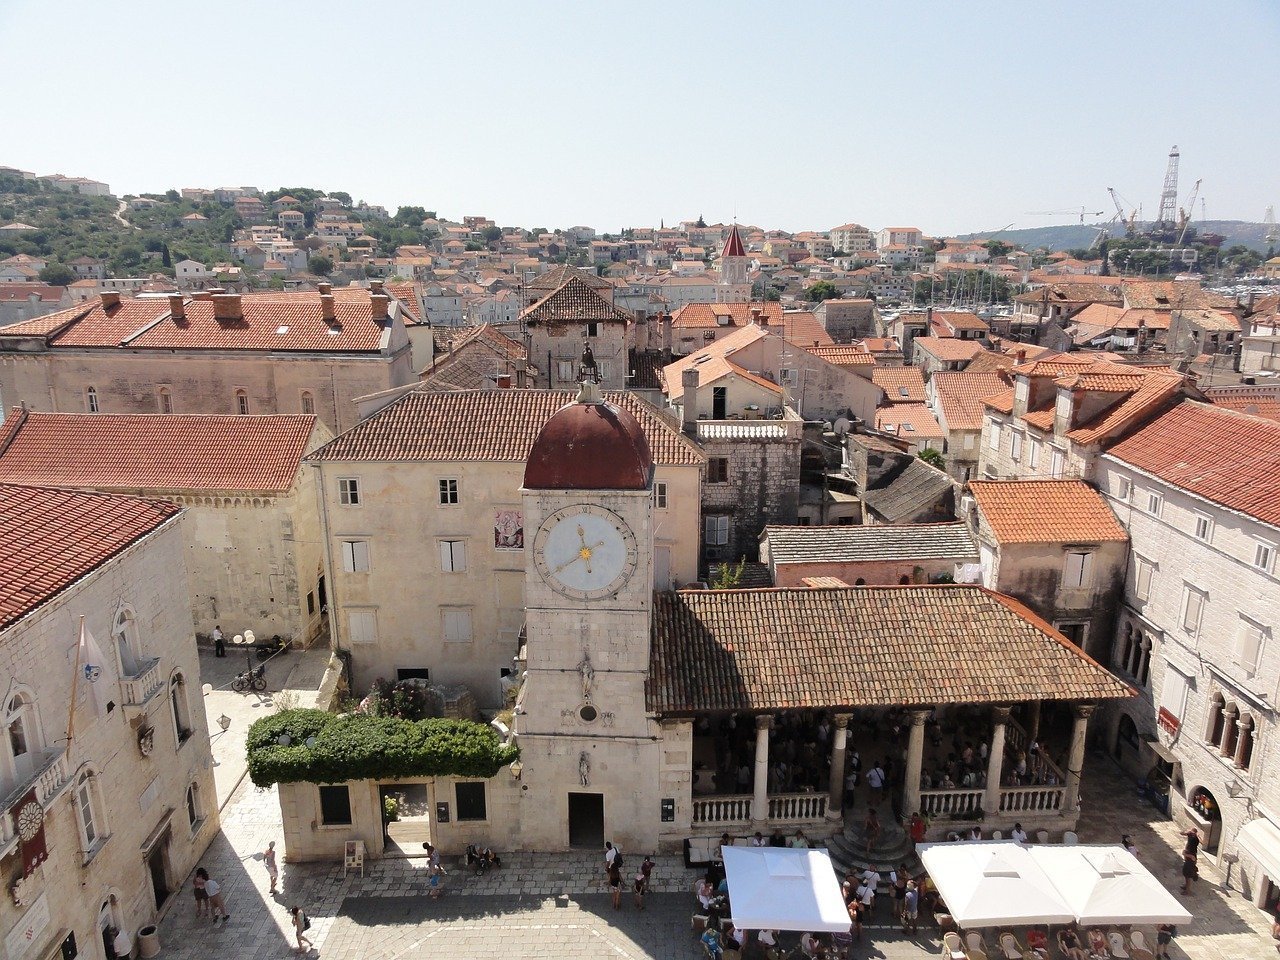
[
  {"x": 1207, "y": 817},
  {"x": 1127, "y": 742},
  {"x": 108, "y": 923}
]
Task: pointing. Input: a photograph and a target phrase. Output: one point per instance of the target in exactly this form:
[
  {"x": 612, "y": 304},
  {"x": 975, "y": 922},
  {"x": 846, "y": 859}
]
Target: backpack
[{"x": 306, "y": 922}]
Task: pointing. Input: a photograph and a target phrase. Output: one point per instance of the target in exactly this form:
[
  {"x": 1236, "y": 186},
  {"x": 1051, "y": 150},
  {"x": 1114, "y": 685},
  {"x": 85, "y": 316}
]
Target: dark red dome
[{"x": 589, "y": 446}]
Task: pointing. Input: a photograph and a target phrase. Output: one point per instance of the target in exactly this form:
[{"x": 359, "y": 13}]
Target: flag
[{"x": 90, "y": 680}]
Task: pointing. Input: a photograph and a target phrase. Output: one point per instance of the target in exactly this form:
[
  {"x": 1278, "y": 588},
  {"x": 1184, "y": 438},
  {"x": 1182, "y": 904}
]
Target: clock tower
[{"x": 587, "y": 744}]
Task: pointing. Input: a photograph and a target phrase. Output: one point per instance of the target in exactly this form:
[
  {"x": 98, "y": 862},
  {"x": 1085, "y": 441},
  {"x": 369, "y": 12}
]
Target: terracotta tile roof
[
  {"x": 1172, "y": 295},
  {"x": 1219, "y": 320},
  {"x": 1136, "y": 317},
  {"x": 757, "y": 650},
  {"x": 21, "y": 291},
  {"x": 487, "y": 425},
  {"x": 1229, "y": 458},
  {"x": 408, "y": 296},
  {"x": 555, "y": 278},
  {"x": 271, "y": 322},
  {"x": 959, "y": 320},
  {"x": 803, "y": 329},
  {"x": 1045, "y": 511},
  {"x": 1102, "y": 381},
  {"x": 573, "y": 301},
  {"x": 843, "y": 354},
  {"x": 53, "y": 538},
  {"x": 908, "y": 541},
  {"x": 700, "y": 315},
  {"x": 1256, "y": 401},
  {"x": 906, "y": 492},
  {"x": 154, "y": 451},
  {"x": 474, "y": 361},
  {"x": 908, "y": 421},
  {"x": 949, "y": 348},
  {"x": 1158, "y": 390},
  {"x": 1077, "y": 290},
  {"x": 960, "y": 396},
  {"x": 900, "y": 384},
  {"x": 713, "y": 361}
]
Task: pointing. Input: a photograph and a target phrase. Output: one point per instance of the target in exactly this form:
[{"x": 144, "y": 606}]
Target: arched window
[
  {"x": 181, "y": 709},
  {"x": 308, "y": 402},
  {"x": 91, "y": 399},
  {"x": 195, "y": 815},
  {"x": 242, "y": 402},
  {"x": 165, "y": 398},
  {"x": 24, "y": 735},
  {"x": 89, "y": 812},
  {"x": 1213, "y": 733},
  {"x": 128, "y": 649}
]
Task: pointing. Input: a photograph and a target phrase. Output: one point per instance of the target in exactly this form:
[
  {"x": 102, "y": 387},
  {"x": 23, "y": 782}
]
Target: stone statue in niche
[
  {"x": 584, "y": 769},
  {"x": 588, "y": 675}
]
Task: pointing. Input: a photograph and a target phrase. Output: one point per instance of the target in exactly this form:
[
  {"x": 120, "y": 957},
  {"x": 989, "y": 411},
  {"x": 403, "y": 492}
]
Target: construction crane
[
  {"x": 1184, "y": 214},
  {"x": 1081, "y": 213},
  {"x": 1129, "y": 220},
  {"x": 1269, "y": 232},
  {"x": 1169, "y": 195}
]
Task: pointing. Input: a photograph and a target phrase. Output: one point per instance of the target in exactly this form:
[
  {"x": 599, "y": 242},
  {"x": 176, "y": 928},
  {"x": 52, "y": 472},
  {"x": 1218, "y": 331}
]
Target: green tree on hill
[
  {"x": 320, "y": 264},
  {"x": 57, "y": 274},
  {"x": 822, "y": 290}
]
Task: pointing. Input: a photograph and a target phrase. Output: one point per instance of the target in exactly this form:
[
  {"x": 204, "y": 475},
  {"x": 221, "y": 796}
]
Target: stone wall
[{"x": 763, "y": 487}]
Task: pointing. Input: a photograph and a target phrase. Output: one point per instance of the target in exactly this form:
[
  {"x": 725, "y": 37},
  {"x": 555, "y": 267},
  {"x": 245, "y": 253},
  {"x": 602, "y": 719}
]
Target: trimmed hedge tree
[{"x": 355, "y": 746}]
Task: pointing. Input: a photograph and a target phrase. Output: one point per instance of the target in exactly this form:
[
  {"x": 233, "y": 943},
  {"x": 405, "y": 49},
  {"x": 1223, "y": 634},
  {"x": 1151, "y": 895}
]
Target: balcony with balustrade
[
  {"x": 49, "y": 777},
  {"x": 143, "y": 684}
]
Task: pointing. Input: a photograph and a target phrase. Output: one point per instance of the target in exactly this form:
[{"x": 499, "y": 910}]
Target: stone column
[
  {"x": 1244, "y": 740},
  {"x": 915, "y": 762},
  {"x": 835, "y": 785},
  {"x": 995, "y": 761},
  {"x": 1230, "y": 733},
  {"x": 760, "y": 785},
  {"x": 1075, "y": 759}
]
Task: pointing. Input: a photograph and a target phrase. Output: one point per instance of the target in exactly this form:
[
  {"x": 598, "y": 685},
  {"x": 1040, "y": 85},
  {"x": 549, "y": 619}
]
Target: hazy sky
[{"x": 945, "y": 115}]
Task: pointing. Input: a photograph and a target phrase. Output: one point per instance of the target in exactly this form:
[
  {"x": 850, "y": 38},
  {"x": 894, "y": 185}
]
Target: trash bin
[{"x": 148, "y": 942}]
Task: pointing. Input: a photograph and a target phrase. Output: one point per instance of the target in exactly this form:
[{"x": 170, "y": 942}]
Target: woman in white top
[{"x": 1018, "y": 835}]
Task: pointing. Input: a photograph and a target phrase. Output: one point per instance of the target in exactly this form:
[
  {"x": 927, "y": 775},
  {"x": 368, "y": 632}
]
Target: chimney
[
  {"x": 380, "y": 302},
  {"x": 226, "y": 306},
  {"x": 375, "y": 286},
  {"x": 1019, "y": 357},
  {"x": 504, "y": 381},
  {"x": 177, "y": 306},
  {"x": 665, "y": 323},
  {"x": 110, "y": 298},
  {"x": 928, "y": 315},
  {"x": 755, "y": 317},
  {"x": 689, "y": 403},
  {"x": 201, "y": 295},
  {"x": 326, "y": 306},
  {"x": 522, "y": 372},
  {"x": 325, "y": 288}
]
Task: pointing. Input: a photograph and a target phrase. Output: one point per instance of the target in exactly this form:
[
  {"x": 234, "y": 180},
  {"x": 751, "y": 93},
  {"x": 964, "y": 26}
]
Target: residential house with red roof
[
  {"x": 106, "y": 773},
  {"x": 956, "y": 399},
  {"x": 26, "y": 301},
  {"x": 1198, "y": 488},
  {"x": 252, "y": 530},
  {"x": 308, "y": 353},
  {"x": 559, "y": 326}
]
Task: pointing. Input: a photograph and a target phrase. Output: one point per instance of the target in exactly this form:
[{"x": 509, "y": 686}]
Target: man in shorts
[{"x": 910, "y": 908}]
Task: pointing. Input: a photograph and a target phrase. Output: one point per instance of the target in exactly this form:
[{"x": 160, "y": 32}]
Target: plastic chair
[
  {"x": 975, "y": 945},
  {"x": 842, "y": 944},
  {"x": 1138, "y": 948},
  {"x": 1010, "y": 947},
  {"x": 1116, "y": 945},
  {"x": 1070, "y": 839},
  {"x": 1042, "y": 836},
  {"x": 997, "y": 835},
  {"x": 951, "y": 946}
]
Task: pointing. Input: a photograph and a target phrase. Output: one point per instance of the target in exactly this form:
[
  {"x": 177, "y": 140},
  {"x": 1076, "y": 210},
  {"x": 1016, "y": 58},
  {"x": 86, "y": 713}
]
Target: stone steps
[{"x": 893, "y": 848}]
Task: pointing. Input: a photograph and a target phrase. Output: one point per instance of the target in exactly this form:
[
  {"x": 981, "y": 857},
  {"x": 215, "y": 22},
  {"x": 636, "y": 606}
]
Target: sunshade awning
[
  {"x": 1107, "y": 884},
  {"x": 1260, "y": 839},
  {"x": 993, "y": 883},
  {"x": 777, "y": 888}
]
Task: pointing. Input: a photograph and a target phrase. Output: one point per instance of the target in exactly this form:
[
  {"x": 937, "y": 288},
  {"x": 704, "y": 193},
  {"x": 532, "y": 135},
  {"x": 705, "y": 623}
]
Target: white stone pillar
[
  {"x": 1075, "y": 759},
  {"x": 995, "y": 761},
  {"x": 915, "y": 762},
  {"x": 1244, "y": 741},
  {"x": 760, "y": 785},
  {"x": 835, "y": 783}
]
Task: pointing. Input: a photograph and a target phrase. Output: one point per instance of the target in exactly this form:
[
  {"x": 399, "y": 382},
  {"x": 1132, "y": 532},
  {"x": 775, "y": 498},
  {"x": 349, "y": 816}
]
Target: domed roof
[{"x": 589, "y": 445}]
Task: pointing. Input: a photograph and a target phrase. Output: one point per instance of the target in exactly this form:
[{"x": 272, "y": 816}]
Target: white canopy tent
[
  {"x": 1107, "y": 884},
  {"x": 993, "y": 883},
  {"x": 777, "y": 888}
]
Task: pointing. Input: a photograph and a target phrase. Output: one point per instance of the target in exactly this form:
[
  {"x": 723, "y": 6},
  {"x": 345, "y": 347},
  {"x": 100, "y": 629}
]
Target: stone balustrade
[
  {"x": 143, "y": 685},
  {"x": 784, "y": 809},
  {"x": 1031, "y": 799},
  {"x": 949, "y": 803}
]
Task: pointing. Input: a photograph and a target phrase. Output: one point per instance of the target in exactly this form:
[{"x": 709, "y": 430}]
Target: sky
[{"x": 799, "y": 116}]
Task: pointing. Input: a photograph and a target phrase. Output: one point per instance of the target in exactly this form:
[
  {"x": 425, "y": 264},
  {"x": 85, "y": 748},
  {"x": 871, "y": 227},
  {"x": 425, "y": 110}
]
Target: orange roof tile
[
  {"x": 960, "y": 396},
  {"x": 908, "y": 421},
  {"x": 900, "y": 384},
  {"x": 574, "y": 301},
  {"x": 1045, "y": 511},
  {"x": 1158, "y": 390},
  {"x": 1227, "y": 457},
  {"x": 843, "y": 354},
  {"x": 949, "y": 348},
  {"x": 260, "y": 454},
  {"x": 53, "y": 538},
  {"x": 487, "y": 425},
  {"x": 749, "y": 650}
]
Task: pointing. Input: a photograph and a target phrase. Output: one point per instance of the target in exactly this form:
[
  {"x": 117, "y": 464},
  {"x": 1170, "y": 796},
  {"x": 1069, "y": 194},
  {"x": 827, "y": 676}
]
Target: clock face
[
  {"x": 585, "y": 552},
  {"x": 30, "y": 818}
]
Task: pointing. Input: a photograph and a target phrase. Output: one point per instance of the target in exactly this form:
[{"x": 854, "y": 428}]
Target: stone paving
[{"x": 556, "y": 905}]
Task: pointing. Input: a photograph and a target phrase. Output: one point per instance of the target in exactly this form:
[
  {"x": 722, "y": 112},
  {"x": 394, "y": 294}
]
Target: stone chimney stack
[
  {"x": 375, "y": 287},
  {"x": 177, "y": 306},
  {"x": 226, "y": 306},
  {"x": 110, "y": 298},
  {"x": 201, "y": 295},
  {"x": 665, "y": 323},
  {"x": 380, "y": 303},
  {"x": 326, "y": 306},
  {"x": 689, "y": 403},
  {"x": 325, "y": 287}
]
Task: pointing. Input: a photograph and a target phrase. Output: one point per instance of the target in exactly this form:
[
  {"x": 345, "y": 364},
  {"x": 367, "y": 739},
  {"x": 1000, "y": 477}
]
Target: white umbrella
[
  {"x": 1107, "y": 884},
  {"x": 993, "y": 883},
  {"x": 778, "y": 888}
]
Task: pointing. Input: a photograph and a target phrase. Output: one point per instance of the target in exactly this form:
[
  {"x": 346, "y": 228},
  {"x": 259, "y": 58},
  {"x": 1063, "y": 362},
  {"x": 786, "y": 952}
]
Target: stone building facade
[{"x": 124, "y": 809}]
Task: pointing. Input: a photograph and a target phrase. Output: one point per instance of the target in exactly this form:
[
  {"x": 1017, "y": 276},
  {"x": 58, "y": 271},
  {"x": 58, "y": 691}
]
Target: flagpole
[{"x": 75, "y": 679}]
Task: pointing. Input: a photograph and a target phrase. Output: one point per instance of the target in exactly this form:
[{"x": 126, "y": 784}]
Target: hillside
[{"x": 1074, "y": 235}]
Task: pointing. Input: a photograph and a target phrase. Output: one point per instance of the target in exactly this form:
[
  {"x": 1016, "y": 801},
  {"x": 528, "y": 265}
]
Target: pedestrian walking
[
  {"x": 1193, "y": 843},
  {"x": 435, "y": 877},
  {"x": 201, "y": 893},
  {"x": 615, "y": 884},
  {"x": 1164, "y": 933},
  {"x": 219, "y": 642},
  {"x": 875, "y": 783},
  {"x": 301, "y": 924},
  {"x": 910, "y": 908},
  {"x": 639, "y": 885},
  {"x": 612, "y": 855},
  {"x": 217, "y": 909},
  {"x": 646, "y": 868},
  {"x": 1190, "y": 872},
  {"x": 269, "y": 861}
]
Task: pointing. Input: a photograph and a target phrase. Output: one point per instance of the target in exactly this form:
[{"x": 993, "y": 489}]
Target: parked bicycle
[{"x": 250, "y": 680}]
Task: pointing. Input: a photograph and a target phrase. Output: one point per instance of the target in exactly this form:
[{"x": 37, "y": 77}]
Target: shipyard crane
[
  {"x": 1129, "y": 220},
  {"x": 1169, "y": 195},
  {"x": 1185, "y": 214},
  {"x": 1269, "y": 232},
  {"x": 1081, "y": 213}
]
